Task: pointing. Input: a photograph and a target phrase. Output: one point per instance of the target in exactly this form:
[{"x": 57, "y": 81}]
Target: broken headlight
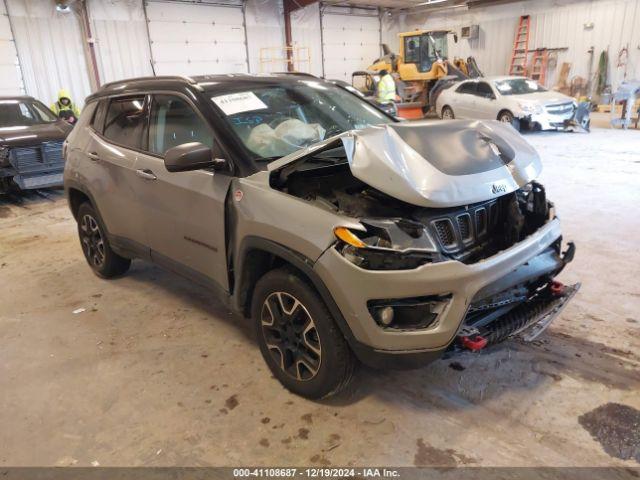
[
  {"x": 534, "y": 108},
  {"x": 387, "y": 245}
]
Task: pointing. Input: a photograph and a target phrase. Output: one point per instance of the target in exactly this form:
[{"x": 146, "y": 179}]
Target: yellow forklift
[{"x": 421, "y": 62}]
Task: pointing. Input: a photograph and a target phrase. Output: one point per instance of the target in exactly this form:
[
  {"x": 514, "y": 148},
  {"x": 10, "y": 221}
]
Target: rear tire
[
  {"x": 298, "y": 338},
  {"x": 447, "y": 113},
  {"x": 95, "y": 245}
]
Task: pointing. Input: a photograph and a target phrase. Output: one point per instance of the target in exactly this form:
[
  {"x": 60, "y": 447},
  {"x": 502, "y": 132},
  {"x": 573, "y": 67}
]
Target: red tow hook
[
  {"x": 474, "y": 344},
  {"x": 557, "y": 288}
]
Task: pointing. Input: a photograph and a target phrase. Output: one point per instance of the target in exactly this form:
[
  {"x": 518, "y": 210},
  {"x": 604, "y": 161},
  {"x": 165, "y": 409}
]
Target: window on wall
[
  {"x": 125, "y": 121},
  {"x": 174, "y": 122}
]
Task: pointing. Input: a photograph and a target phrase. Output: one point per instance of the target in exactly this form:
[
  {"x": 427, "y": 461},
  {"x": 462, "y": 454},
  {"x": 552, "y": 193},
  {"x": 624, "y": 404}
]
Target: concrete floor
[{"x": 154, "y": 372}]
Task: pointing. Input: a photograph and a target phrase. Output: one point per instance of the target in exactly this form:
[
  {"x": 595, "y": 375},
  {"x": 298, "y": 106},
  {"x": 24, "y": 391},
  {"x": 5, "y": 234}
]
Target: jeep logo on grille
[{"x": 498, "y": 188}]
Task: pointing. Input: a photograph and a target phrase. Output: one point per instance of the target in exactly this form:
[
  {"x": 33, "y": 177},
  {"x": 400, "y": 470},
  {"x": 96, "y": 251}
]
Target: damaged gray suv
[{"x": 344, "y": 234}]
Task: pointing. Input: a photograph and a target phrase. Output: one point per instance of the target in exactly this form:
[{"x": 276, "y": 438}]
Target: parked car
[
  {"x": 341, "y": 232},
  {"x": 31, "y": 138},
  {"x": 519, "y": 101}
]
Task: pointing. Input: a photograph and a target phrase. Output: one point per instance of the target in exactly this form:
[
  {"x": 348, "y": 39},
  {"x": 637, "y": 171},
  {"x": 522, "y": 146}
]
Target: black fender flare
[{"x": 298, "y": 261}]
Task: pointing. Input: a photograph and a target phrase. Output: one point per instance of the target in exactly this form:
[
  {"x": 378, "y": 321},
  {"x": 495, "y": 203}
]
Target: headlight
[
  {"x": 387, "y": 245},
  {"x": 531, "y": 107}
]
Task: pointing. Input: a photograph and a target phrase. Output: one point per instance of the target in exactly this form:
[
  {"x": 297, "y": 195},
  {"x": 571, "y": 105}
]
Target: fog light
[
  {"x": 408, "y": 313},
  {"x": 385, "y": 316}
]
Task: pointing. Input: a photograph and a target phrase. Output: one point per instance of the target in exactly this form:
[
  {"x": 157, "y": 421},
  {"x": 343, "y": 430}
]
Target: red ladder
[
  {"x": 539, "y": 64},
  {"x": 518, "y": 64}
]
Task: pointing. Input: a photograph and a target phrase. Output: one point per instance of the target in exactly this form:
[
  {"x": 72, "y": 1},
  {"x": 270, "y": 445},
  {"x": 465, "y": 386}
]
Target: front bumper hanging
[{"x": 527, "y": 321}]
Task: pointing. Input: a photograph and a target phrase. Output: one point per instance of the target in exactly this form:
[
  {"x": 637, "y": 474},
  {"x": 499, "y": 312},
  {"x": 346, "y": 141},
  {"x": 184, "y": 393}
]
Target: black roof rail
[
  {"x": 303, "y": 74},
  {"x": 182, "y": 78}
]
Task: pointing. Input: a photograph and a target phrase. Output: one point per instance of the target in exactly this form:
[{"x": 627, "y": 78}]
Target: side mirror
[
  {"x": 455, "y": 38},
  {"x": 191, "y": 156}
]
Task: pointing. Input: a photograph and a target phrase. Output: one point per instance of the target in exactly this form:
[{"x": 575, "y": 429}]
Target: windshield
[
  {"x": 277, "y": 120},
  {"x": 518, "y": 86},
  {"x": 17, "y": 113}
]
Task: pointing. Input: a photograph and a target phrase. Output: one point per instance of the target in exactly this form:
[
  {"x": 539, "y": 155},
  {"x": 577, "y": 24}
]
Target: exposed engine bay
[{"x": 417, "y": 234}]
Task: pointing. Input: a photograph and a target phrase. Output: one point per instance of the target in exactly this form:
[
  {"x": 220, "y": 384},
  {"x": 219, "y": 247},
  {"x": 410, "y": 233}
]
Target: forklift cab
[{"x": 424, "y": 48}]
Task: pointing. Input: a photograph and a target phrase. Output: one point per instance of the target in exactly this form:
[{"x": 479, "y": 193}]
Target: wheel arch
[
  {"x": 257, "y": 256},
  {"x": 76, "y": 198},
  {"x": 505, "y": 110}
]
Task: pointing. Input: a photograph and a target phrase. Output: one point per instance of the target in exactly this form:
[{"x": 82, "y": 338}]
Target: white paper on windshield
[{"x": 238, "y": 102}]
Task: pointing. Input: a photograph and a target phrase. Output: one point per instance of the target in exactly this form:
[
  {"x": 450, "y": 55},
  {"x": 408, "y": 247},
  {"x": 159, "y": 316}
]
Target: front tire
[
  {"x": 95, "y": 245},
  {"x": 507, "y": 117},
  {"x": 298, "y": 338},
  {"x": 447, "y": 113}
]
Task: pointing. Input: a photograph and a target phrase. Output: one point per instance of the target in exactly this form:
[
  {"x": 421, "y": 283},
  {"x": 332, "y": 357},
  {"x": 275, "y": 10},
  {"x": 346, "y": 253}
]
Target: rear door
[
  {"x": 184, "y": 212},
  {"x": 115, "y": 137}
]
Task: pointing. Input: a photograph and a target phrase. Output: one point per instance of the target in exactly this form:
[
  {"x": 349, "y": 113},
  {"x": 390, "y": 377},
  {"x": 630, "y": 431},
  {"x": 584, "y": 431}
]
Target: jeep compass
[{"x": 344, "y": 234}]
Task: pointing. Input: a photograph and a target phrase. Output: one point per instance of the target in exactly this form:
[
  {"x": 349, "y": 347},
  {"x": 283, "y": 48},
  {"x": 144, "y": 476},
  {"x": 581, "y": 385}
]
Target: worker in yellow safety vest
[
  {"x": 64, "y": 108},
  {"x": 386, "y": 88}
]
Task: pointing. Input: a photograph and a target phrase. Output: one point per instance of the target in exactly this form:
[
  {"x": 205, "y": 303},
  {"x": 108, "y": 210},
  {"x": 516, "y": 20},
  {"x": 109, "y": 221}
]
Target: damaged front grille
[
  {"x": 445, "y": 232},
  {"x": 38, "y": 157},
  {"x": 560, "y": 109},
  {"x": 460, "y": 232}
]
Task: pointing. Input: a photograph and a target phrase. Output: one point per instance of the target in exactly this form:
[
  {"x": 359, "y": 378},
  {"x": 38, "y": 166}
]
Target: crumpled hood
[
  {"x": 437, "y": 164},
  {"x": 547, "y": 97}
]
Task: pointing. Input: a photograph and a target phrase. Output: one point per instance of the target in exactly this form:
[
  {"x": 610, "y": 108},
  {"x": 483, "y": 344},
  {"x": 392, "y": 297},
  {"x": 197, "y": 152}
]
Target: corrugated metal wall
[
  {"x": 10, "y": 74},
  {"x": 554, "y": 23},
  {"x": 265, "y": 29},
  {"x": 50, "y": 49},
  {"x": 305, "y": 32}
]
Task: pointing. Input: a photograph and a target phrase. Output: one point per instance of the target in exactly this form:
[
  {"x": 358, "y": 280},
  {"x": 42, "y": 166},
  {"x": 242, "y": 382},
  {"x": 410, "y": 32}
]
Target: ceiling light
[{"x": 430, "y": 2}]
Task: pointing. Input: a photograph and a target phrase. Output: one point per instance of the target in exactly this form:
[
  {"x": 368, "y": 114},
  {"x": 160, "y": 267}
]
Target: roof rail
[
  {"x": 183, "y": 78},
  {"x": 303, "y": 74}
]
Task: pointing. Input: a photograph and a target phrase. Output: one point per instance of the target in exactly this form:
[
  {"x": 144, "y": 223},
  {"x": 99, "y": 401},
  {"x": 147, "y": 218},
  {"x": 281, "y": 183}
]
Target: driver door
[{"x": 184, "y": 211}]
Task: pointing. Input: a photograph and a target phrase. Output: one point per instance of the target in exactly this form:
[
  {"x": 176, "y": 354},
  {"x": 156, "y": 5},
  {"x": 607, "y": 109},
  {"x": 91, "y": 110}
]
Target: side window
[
  {"x": 412, "y": 49},
  {"x": 467, "y": 87},
  {"x": 25, "y": 112},
  {"x": 125, "y": 121},
  {"x": 484, "y": 90},
  {"x": 97, "y": 122},
  {"x": 174, "y": 122}
]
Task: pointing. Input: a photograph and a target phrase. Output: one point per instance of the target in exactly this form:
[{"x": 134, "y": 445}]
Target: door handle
[
  {"x": 146, "y": 174},
  {"x": 93, "y": 156}
]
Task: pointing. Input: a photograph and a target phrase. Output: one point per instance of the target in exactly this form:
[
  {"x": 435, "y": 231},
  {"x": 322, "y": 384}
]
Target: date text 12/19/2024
[{"x": 315, "y": 472}]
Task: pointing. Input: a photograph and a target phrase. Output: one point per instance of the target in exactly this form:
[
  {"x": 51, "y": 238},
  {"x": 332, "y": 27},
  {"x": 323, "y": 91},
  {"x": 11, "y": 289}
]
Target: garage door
[
  {"x": 190, "y": 39},
  {"x": 350, "y": 41}
]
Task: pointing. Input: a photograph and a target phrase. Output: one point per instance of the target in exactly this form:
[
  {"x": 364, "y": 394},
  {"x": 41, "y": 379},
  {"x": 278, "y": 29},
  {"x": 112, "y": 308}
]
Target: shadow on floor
[{"x": 16, "y": 199}]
